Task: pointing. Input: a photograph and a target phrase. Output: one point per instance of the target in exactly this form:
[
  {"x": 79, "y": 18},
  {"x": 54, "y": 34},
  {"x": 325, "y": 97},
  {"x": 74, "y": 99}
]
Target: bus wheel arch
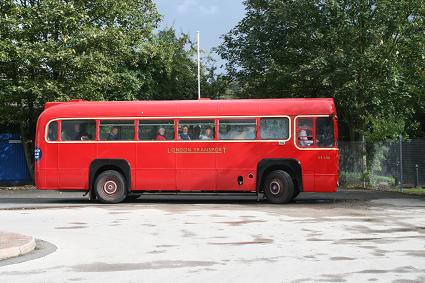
[
  {"x": 291, "y": 166},
  {"x": 98, "y": 166}
]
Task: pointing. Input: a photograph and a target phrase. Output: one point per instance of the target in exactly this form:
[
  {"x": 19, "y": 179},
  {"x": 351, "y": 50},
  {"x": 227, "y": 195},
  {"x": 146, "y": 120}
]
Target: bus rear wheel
[
  {"x": 279, "y": 187},
  {"x": 110, "y": 187}
]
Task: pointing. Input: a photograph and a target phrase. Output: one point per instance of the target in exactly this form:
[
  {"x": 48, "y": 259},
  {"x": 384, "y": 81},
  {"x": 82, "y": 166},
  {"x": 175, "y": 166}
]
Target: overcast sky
[{"x": 212, "y": 18}]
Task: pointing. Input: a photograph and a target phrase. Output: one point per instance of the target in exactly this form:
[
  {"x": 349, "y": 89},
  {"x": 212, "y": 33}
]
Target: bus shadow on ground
[
  {"x": 76, "y": 199},
  {"x": 224, "y": 199},
  {"x": 166, "y": 199}
]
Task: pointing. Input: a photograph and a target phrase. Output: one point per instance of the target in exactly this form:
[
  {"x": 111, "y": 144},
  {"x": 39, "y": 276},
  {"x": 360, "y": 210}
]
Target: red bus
[{"x": 118, "y": 150}]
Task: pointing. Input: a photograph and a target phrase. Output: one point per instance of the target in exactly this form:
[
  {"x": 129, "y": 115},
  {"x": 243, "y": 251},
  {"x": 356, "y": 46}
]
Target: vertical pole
[
  {"x": 401, "y": 162},
  {"x": 364, "y": 162},
  {"x": 199, "y": 67},
  {"x": 417, "y": 176}
]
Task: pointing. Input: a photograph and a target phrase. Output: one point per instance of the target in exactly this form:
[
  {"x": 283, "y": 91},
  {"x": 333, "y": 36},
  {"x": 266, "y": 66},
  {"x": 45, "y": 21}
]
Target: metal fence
[{"x": 383, "y": 165}]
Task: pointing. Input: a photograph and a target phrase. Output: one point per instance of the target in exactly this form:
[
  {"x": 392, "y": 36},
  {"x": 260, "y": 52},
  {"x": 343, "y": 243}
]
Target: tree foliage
[
  {"x": 367, "y": 54},
  {"x": 168, "y": 70},
  {"x": 57, "y": 50}
]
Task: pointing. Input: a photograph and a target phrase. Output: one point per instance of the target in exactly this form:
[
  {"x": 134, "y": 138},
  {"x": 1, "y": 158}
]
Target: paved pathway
[{"x": 13, "y": 244}]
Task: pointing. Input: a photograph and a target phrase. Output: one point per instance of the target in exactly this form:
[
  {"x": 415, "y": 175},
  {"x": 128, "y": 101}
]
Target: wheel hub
[
  {"x": 110, "y": 187},
  {"x": 274, "y": 188}
]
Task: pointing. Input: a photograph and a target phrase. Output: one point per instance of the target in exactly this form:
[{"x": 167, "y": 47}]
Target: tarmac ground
[{"x": 349, "y": 236}]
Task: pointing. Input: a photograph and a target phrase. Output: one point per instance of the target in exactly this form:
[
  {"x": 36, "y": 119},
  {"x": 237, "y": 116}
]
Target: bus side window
[
  {"x": 274, "y": 128},
  {"x": 156, "y": 130},
  {"x": 78, "y": 130},
  {"x": 237, "y": 129},
  {"x": 116, "y": 130},
  {"x": 196, "y": 129},
  {"x": 325, "y": 132},
  {"x": 305, "y": 132},
  {"x": 52, "y": 131}
]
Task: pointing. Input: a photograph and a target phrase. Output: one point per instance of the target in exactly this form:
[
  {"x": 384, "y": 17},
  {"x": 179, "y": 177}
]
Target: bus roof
[{"x": 182, "y": 108}]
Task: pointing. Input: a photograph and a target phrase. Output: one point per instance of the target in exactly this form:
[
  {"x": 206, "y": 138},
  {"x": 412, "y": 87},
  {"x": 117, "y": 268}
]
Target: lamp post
[{"x": 199, "y": 68}]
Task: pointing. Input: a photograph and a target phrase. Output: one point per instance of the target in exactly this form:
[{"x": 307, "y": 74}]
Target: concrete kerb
[{"x": 13, "y": 245}]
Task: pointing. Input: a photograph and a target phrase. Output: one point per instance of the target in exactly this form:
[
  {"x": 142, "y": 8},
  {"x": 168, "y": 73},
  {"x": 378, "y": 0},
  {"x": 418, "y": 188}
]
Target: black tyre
[
  {"x": 279, "y": 187},
  {"x": 110, "y": 187},
  {"x": 297, "y": 192}
]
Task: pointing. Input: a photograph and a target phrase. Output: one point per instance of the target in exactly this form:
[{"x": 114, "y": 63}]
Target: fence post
[
  {"x": 417, "y": 176},
  {"x": 364, "y": 162},
  {"x": 401, "y": 162}
]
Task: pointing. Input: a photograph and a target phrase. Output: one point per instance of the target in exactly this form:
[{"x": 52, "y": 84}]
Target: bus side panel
[
  {"x": 73, "y": 164},
  {"x": 326, "y": 175},
  {"x": 238, "y": 160},
  {"x": 50, "y": 156},
  {"x": 155, "y": 166},
  {"x": 196, "y": 170},
  {"x": 307, "y": 159},
  {"x": 326, "y": 183},
  {"x": 308, "y": 180},
  {"x": 46, "y": 167}
]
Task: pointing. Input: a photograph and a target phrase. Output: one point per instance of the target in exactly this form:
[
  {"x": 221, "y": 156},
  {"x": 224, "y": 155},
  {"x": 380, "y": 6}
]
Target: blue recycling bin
[{"x": 13, "y": 166}]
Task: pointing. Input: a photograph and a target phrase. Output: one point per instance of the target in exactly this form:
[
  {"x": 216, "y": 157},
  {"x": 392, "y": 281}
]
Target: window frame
[
  {"x": 96, "y": 132},
  {"x": 214, "y": 122},
  {"x": 313, "y": 132},
  {"x": 155, "y": 119},
  {"x": 280, "y": 117},
  {"x": 230, "y": 118},
  {"x": 332, "y": 123},
  {"x": 176, "y": 120},
  {"x": 99, "y": 123},
  {"x": 314, "y": 145},
  {"x": 46, "y": 133}
]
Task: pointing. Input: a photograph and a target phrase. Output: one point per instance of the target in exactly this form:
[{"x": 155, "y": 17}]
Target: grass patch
[{"x": 415, "y": 191}]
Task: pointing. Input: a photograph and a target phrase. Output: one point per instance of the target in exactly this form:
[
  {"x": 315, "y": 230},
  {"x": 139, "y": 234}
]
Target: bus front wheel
[
  {"x": 279, "y": 187},
  {"x": 110, "y": 187}
]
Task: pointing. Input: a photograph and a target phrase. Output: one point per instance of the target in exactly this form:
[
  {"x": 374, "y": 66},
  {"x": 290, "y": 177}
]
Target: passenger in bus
[
  {"x": 208, "y": 135},
  {"x": 184, "y": 135},
  {"x": 303, "y": 138},
  {"x": 196, "y": 133},
  {"x": 79, "y": 135},
  {"x": 161, "y": 135},
  {"x": 113, "y": 135},
  {"x": 71, "y": 133},
  {"x": 76, "y": 134}
]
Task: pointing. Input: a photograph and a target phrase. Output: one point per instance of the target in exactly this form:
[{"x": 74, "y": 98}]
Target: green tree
[
  {"x": 58, "y": 50},
  {"x": 367, "y": 54},
  {"x": 214, "y": 84},
  {"x": 166, "y": 67}
]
